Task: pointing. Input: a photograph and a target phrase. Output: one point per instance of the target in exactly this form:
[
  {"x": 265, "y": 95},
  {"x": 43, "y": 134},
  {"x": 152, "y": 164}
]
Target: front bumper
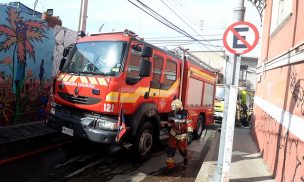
[{"x": 82, "y": 126}]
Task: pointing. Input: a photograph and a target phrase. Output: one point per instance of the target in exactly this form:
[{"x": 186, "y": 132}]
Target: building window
[{"x": 281, "y": 10}]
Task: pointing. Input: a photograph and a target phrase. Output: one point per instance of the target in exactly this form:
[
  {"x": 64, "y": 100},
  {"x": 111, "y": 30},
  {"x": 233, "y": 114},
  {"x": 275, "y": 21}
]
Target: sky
[{"x": 207, "y": 18}]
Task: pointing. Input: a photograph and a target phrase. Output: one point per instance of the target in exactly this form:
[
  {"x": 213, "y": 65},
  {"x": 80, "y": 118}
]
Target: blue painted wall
[{"x": 26, "y": 53}]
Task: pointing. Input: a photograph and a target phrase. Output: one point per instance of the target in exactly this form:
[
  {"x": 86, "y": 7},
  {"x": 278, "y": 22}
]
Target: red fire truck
[{"x": 105, "y": 74}]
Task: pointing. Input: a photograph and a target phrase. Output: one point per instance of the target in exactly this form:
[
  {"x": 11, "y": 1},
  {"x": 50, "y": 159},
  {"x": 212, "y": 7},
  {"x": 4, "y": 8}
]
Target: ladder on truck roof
[
  {"x": 197, "y": 60},
  {"x": 194, "y": 59}
]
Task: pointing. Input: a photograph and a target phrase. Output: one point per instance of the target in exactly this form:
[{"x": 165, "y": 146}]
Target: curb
[
  {"x": 16, "y": 133},
  {"x": 209, "y": 164}
]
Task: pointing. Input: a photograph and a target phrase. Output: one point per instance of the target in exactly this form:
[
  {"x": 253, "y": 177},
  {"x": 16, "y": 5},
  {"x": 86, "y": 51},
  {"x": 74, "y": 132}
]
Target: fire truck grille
[{"x": 79, "y": 99}]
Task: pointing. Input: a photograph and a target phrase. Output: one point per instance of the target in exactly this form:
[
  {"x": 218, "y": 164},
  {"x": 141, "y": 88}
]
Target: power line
[
  {"x": 166, "y": 22},
  {"x": 185, "y": 22},
  {"x": 206, "y": 35},
  {"x": 184, "y": 43},
  {"x": 180, "y": 9},
  {"x": 181, "y": 40}
]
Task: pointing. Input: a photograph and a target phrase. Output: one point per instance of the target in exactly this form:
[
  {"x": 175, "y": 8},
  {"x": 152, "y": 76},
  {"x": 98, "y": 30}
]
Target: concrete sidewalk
[{"x": 246, "y": 165}]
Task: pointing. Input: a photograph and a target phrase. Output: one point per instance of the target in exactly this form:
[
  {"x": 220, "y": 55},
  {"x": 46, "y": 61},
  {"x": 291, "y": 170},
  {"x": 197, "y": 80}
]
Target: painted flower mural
[
  {"x": 28, "y": 52},
  {"x": 21, "y": 34},
  {"x": 5, "y": 108}
]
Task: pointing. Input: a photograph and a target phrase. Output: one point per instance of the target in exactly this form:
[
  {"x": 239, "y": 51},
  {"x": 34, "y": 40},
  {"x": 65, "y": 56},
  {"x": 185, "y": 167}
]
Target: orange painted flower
[
  {"x": 7, "y": 60},
  {"x": 21, "y": 34},
  {"x": 5, "y": 106}
]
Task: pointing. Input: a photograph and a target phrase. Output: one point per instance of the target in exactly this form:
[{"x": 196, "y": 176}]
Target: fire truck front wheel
[
  {"x": 144, "y": 140},
  {"x": 200, "y": 127}
]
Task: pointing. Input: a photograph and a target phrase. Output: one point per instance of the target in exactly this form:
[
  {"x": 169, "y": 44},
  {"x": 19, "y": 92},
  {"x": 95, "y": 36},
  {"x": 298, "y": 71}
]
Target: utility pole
[
  {"x": 231, "y": 90},
  {"x": 83, "y": 16}
]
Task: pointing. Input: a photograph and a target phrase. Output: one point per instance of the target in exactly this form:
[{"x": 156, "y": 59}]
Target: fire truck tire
[
  {"x": 144, "y": 140},
  {"x": 200, "y": 127}
]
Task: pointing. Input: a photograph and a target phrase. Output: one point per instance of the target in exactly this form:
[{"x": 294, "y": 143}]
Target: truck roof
[{"x": 128, "y": 35}]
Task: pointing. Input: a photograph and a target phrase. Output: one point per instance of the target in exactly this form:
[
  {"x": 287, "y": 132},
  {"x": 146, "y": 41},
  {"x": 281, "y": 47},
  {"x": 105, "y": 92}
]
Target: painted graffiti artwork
[
  {"x": 96, "y": 90},
  {"x": 27, "y": 48}
]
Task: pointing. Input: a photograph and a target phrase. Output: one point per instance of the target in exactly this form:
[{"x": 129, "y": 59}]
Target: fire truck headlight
[{"x": 104, "y": 124}]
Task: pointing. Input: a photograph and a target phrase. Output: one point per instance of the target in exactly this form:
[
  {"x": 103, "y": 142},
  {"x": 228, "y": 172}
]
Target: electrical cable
[
  {"x": 188, "y": 25},
  {"x": 166, "y": 22},
  {"x": 183, "y": 20},
  {"x": 207, "y": 35}
]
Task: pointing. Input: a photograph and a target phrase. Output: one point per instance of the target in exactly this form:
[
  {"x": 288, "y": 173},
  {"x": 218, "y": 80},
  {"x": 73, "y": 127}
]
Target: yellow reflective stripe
[
  {"x": 133, "y": 97},
  {"x": 66, "y": 78},
  {"x": 102, "y": 81},
  {"x": 170, "y": 159},
  {"x": 181, "y": 137},
  {"x": 60, "y": 77},
  {"x": 202, "y": 74},
  {"x": 167, "y": 93},
  {"x": 154, "y": 92},
  {"x": 93, "y": 80},
  {"x": 84, "y": 79},
  {"x": 112, "y": 97},
  {"x": 74, "y": 78}
]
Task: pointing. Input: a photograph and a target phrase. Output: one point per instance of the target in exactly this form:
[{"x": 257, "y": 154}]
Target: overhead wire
[
  {"x": 204, "y": 45},
  {"x": 185, "y": 22},
  {"x": 206, "y": 35},
  {"x": 166, "y": 22},
  {"x": 176, "y": 40},
  {"x": 182, "y": 12},
  {"x": 163, "y": 18}
]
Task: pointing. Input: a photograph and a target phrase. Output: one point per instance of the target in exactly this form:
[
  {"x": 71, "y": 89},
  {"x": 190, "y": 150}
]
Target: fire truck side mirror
[
  {"x": 147, "y": 52},
  {"x": 145, "y": 68},
  {"x": 145, "y": 64}
]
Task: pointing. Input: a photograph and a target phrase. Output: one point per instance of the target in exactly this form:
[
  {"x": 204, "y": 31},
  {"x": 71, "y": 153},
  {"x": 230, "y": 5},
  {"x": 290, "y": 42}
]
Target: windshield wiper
[
  {"x": 69, "y": 71},
  {"x": 92, "y": 73}
]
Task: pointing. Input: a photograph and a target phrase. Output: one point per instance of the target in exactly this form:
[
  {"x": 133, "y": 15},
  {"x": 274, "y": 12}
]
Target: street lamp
[{"x": 259, "y": 5}]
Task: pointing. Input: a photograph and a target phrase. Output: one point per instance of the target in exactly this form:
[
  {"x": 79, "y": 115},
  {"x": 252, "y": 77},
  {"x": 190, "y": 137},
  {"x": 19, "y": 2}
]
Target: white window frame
[{"x": 281, "y": 12}]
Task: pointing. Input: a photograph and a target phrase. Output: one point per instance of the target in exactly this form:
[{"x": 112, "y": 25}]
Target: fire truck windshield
[{"x": 104, "y": 58}]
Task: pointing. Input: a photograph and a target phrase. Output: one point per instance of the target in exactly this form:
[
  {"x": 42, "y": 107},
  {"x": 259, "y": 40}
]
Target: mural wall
[{"x": 27, "y": 48}]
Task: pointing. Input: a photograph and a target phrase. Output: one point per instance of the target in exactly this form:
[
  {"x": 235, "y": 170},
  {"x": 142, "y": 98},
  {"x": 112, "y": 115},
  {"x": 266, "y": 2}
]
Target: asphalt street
[{"x": 80, "y": 160}]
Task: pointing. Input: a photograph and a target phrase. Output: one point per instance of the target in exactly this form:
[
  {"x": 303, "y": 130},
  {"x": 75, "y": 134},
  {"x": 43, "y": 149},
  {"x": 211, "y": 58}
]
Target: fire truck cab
[{"x": 104, "y": 74}]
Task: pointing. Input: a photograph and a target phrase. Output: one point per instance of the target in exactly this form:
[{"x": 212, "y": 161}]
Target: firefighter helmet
[{"x": 177, "y": 105}]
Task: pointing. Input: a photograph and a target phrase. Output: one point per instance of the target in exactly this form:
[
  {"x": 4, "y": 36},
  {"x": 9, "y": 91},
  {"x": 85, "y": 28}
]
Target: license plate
[{"x": 67, "y": 131}]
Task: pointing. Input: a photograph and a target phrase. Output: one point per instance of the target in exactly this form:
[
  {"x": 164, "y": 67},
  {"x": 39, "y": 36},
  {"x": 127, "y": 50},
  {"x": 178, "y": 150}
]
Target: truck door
[
  {"x": 158, "y": 62},
  {"x": 134, "y": 89},
  {"x": 169, "y": 86}
]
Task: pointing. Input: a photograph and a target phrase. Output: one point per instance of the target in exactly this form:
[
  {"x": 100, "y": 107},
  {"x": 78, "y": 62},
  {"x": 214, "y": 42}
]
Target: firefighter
[{"x": 180, "y": 133}]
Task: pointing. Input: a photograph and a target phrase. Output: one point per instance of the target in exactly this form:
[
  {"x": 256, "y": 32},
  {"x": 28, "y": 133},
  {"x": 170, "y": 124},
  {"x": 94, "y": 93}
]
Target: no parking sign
[{"x": 241, "y": 37}]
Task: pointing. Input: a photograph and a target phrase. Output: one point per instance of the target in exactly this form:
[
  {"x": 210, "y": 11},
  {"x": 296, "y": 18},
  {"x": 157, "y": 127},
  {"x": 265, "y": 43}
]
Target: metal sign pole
[{"x": 231, "y": 90}]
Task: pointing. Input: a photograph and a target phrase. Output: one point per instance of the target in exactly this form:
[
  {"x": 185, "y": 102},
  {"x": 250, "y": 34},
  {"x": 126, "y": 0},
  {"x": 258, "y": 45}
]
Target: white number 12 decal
[{"x": 108, "y": 107}]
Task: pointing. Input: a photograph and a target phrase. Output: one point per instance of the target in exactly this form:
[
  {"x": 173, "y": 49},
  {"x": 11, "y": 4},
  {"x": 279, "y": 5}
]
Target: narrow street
[
  {"x": 152, "y": 91},
  {"x": 85, "y": 161}
]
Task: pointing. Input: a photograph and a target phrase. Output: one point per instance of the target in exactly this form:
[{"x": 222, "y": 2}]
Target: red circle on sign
[{"x": 231, "y": 28}]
